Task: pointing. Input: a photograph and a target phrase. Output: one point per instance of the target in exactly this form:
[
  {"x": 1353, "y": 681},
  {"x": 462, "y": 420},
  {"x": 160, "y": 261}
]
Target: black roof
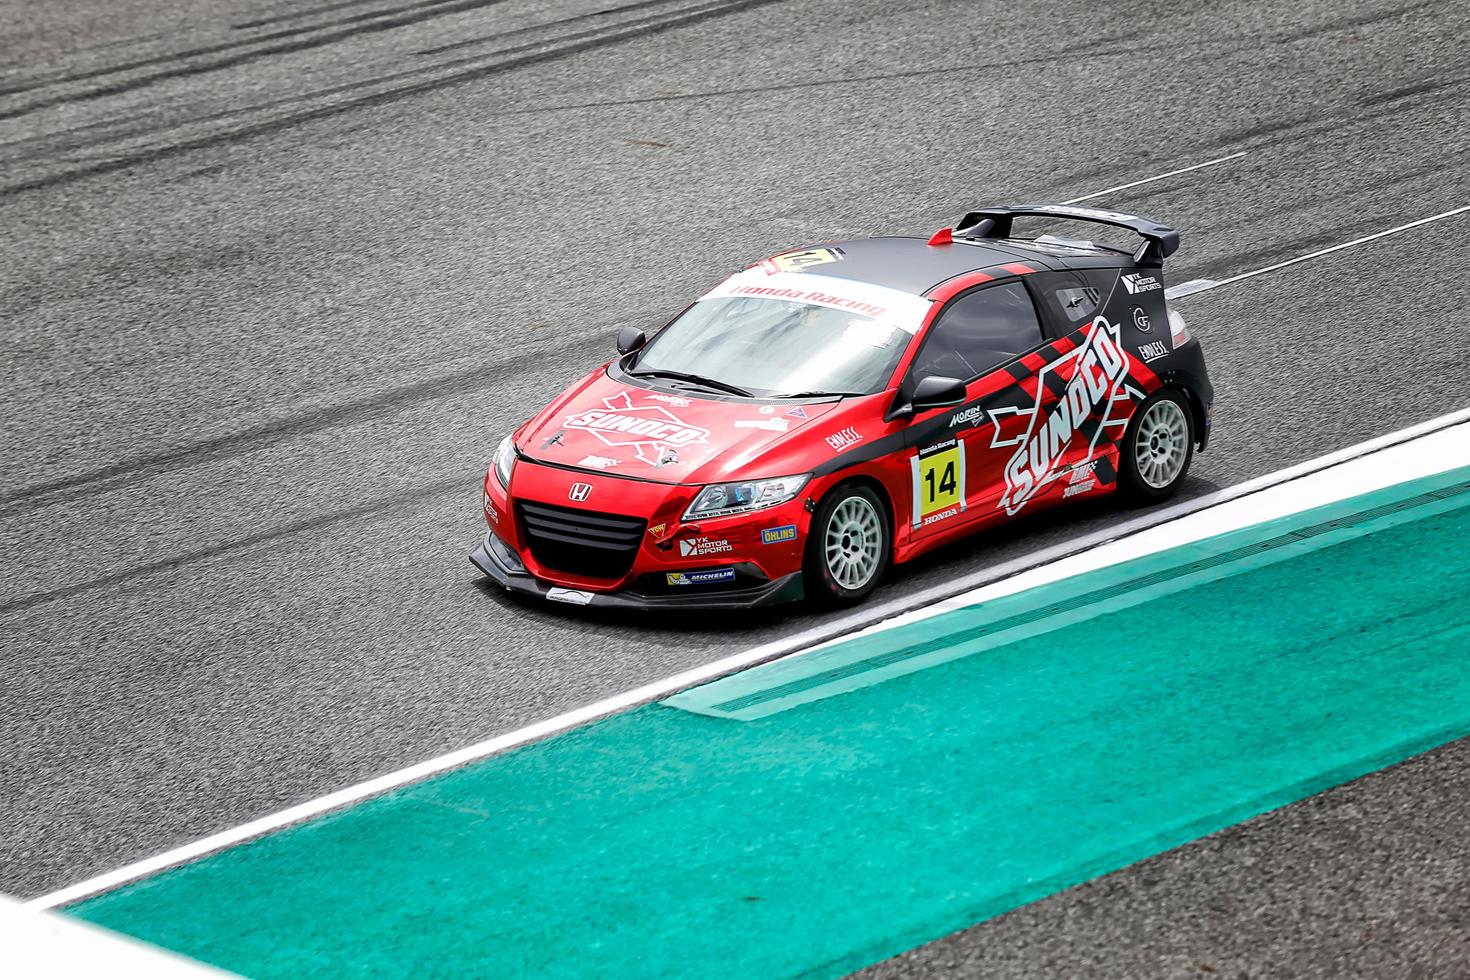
[{"x": 914, "y": 266}]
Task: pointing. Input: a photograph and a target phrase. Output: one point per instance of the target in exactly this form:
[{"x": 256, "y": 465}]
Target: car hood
[{"x": 602, "y": 425}]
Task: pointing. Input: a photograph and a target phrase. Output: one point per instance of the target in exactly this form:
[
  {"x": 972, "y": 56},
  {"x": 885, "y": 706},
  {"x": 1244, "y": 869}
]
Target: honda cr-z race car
[{"x": 831, "y": 410}]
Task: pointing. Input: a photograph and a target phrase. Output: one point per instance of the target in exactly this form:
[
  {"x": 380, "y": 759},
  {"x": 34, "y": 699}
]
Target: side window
[
  {"x": 1070, "y": 299},
  {"x": 980, "y": 331}
]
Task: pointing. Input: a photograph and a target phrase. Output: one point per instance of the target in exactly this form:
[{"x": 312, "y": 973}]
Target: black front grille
[{"x": 581, "y": 542}]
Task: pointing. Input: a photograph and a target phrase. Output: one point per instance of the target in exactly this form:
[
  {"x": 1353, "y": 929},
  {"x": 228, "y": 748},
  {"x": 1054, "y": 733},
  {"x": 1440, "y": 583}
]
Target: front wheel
[
  {"x": 1158, "y": 447},
  {"x": 849, "y": 546}
]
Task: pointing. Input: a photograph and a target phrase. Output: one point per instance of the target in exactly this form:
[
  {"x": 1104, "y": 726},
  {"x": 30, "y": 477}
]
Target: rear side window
[
  {"x": 979, "y": 332},
  {"x": 1070, "y": 299}
]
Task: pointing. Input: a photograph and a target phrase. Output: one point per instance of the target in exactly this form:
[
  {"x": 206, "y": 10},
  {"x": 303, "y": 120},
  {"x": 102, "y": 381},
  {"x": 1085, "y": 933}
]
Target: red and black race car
[{"x": 829, "y": 411}]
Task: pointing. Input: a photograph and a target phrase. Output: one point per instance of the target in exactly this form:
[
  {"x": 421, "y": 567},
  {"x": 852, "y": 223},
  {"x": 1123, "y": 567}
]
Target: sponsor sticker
[
  {"x": 1153, "y": 351},
  {"x": 776, "y": 535},
  {"x": 651, "y": 430},
  {"x": 673, "y": 400},
  {"x": 767, "y": 409},
  {"x": 935, "y": 518},
  {"x": 490, "y": 512},
  {"x": 799, "y": 260},
  {"x": 939, "y": 481},
  {"x": 597, "y": 462},
  {"x": 967, "y": 417},
  {"x": 891, "y": 307},
  {"x": 657, "y": 531},
  {"x": 796, "y": 412},
  {"x": 815, "y": 297},
  {"x": 573, "y": 596},
  {"x": 843, "y": 438},
  {"x": 770, "y": 425},
  {"x": 703, "y": 546},
  {"x": 701, "y": 578},
  {"x": 1099, "y": 371},
  {"x": 1137, "y": 283},
  {"x": 1141, "y": 320},
  {"x": 1077, "y": 488}
]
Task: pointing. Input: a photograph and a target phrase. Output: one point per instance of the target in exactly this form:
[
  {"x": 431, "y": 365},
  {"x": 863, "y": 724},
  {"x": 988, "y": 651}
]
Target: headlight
[
  {"x": 504, "y": 461},
  {"x": 719, "y": 499}
]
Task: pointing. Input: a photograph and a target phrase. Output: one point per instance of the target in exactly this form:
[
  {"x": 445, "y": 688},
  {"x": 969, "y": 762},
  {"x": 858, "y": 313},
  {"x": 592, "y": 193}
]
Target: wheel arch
[{"x": 1173, "y": 382}]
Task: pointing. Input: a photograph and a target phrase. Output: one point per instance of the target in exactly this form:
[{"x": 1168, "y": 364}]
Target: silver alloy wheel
[
  {"x": 854, "y": 542},
  {"x": 1162, "y": 443}
]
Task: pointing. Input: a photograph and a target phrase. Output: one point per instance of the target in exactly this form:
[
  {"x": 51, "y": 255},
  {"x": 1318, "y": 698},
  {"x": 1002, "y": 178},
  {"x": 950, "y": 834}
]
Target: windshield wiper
[
  {"x": 693, "y": 379},
  {"x": 819, "y": 394}
]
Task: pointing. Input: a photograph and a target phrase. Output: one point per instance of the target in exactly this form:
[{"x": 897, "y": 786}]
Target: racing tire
[
  {"x": 1157, "y": 448},
  {"x": 848, "y": 547}
]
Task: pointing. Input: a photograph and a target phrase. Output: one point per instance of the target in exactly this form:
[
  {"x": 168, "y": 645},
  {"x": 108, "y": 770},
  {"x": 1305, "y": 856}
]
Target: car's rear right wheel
[
  {"x": 848, "y": 547},
  {"x": 1157, "y": 448}
]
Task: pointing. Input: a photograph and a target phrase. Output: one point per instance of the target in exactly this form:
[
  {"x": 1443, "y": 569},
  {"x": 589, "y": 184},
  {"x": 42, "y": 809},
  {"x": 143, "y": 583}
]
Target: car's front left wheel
[{"x": 849, "y": 546}]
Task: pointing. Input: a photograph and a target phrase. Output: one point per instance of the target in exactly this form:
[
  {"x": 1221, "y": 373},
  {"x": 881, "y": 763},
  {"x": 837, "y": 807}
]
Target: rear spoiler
[{"x": 1161, "y": 241}]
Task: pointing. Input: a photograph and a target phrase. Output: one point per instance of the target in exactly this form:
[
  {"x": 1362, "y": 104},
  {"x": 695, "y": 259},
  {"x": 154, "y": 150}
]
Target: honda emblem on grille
[{"x": 580, "y": 491}]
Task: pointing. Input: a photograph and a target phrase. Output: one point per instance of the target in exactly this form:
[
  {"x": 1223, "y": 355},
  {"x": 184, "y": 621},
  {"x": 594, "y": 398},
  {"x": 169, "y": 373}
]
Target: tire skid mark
[
  {"x": 436, "y": 488},
  {"x": 249, "y": 25},
  {"x": 115, "y": 475},
  {"x": 1406, "y": 92},
  {"x": 416, "y": 82},
  {"x": 437, "y": 8},
  {"x": 1353, "y": 23},
  {"x": 502, "y": 35},
  {"x": 710, "y": 6}
]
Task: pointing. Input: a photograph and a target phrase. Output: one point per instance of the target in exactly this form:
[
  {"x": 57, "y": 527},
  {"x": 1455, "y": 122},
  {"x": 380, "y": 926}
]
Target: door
[
  {"x": 1094, "y": 322},
  {"x": 957, "y": 473}
]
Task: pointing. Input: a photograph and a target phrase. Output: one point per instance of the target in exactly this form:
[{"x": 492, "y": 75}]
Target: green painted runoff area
[{"x": 833, "y": 833}]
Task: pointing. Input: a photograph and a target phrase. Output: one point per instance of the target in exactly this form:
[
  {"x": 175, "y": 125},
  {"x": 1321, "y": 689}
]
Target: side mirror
[
  {"x": 937, "y": 392},
  {"x": 630, "y": 339}
]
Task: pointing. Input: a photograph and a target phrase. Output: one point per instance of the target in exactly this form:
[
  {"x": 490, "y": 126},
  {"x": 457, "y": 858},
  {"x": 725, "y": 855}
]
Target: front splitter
[{"x": 787, "y": 588}]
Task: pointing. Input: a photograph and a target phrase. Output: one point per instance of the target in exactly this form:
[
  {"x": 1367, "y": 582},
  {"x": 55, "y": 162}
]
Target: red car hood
[{"x": 602, "y": 425}]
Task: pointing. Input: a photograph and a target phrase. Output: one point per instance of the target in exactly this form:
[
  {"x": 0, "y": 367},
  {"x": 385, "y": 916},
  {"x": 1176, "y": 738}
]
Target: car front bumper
[
  {"x": 628, "y": 547},
  {"x": 487, "y": 558}
]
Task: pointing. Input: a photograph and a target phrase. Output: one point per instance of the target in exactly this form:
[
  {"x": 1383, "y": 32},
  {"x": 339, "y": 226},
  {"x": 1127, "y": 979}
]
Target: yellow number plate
[{"x": 939, "y": 482}]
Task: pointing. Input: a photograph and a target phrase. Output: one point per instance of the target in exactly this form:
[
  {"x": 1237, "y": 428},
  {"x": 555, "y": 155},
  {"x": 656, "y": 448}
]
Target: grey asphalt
[{"x": 276, "y": 277}]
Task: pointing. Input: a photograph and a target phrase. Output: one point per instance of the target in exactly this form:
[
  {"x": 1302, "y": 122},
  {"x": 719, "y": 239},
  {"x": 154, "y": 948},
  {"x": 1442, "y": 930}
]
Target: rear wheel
[
  {"x": 1157, "y": 448},
  {"x": 849, "y": 546}
]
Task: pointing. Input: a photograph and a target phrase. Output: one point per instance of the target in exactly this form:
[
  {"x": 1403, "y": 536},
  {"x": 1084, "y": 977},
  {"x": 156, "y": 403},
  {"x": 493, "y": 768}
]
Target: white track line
[
  {"x": 671, "y": 685},
  {"x": 43, "y": 944},
  {"x": 1149, "y": 180},
  {"x": 1200, "y": 285}
]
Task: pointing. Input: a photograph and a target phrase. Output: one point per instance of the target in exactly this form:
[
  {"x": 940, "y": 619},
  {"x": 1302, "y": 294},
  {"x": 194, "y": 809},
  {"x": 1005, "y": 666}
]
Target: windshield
[{"x": 788, "y": 334}]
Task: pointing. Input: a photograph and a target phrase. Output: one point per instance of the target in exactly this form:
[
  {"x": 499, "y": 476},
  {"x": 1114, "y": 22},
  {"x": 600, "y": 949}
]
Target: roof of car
[{"x": 914, "y": 266}]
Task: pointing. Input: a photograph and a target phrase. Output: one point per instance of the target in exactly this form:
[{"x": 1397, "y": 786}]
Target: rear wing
[{"x": 1160, "y": 241}]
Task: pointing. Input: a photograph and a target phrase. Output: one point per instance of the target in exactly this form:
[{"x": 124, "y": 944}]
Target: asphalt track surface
[{"x": 276, "y": 277}]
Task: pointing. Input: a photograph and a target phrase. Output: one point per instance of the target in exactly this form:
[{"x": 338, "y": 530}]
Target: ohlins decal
[
  {"x": 1099, "y": 370},
  {"x": 650, "y": 429}
]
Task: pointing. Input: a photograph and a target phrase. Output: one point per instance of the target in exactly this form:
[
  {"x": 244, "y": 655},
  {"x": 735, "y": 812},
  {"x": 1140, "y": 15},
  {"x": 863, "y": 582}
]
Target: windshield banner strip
[{"x": 891, "y": 306}]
